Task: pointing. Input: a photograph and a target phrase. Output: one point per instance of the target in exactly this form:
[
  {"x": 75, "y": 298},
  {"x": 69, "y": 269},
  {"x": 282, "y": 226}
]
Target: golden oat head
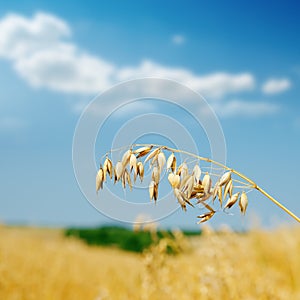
[{"x": 191, "y": 186}]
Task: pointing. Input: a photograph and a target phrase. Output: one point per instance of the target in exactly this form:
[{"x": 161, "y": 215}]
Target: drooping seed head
[
  {"x": 128, "y": 179},
  {"x": 228, "y": 189},
  {"x": 156, "y": 175},
  {"x": 133, "y": 163},
  {"x": 174, "y": 180},
  {"x": 206, "y": 182},
  {"x": 196, "y": 173},
  {"x": 220, "y": 196},
  {"x": 152, "y": 154},
  {"x": 140, "y": 152},
  {"x": 232, "y": 200},
  {"x": 153, "y": 190},
  {"x": 183, "y": 170},
  {"x": 118, "y": 171},
  {"x": 108, "y": 166},
  {"x": 243, "y": 203},
  {"x": 205, "y": 217},
  {"x": 215, "y": 191},
  {"x": 188, "y": 187},
  {"x": 225, "y": 178},
  {"x": 171, "y": 163},
  {"x": 104, "y": 168},
  {"x": 161, "y": 160},
  {"x": 140, "y": 170},
  {"x": 99, "y": 179},
  {"x": 126, "y": 158}
]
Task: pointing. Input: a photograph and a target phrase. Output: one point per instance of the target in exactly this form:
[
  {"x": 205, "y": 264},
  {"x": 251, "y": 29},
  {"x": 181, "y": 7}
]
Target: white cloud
[
  {"x": 40, "y": 54},
  {"x": 66, "y": 69},
  {"x": 243, "y": 108},
  {"x": 215, "y": 85},
  {"x": 20, "y": 36},
  {"x": 276, "y": 86},
  {"x": 178, "y": 39}
]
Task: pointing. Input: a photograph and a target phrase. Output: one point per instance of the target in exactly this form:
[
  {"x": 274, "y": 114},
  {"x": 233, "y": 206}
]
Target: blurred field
[{"x": 43, "y": 264}]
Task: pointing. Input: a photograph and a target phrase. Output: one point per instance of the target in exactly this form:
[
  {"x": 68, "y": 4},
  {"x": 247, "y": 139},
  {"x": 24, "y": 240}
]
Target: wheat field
[{"x": 43, "y": 264}]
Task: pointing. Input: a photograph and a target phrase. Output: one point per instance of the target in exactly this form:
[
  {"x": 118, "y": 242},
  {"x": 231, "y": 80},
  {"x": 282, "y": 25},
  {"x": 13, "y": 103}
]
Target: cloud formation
[
  {"x": 215, "y": 85},
  {"x": 242, "y": 108},
  {"x": 42, "y": 53},
  {"x": 43, "y": 56},
  {"x": 276, "y": 86}
]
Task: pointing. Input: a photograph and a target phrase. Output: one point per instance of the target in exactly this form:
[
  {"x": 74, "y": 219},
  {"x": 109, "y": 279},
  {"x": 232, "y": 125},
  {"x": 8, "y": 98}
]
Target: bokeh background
[{"x": 243, "y": 57}]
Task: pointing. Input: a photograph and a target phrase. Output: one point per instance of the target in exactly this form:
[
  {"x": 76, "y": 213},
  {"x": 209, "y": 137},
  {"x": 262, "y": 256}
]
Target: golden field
[{"x": 43, "y": 264}]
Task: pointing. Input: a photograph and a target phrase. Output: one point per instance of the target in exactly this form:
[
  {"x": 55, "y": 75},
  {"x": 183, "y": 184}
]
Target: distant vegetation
[{"x": 120, "y": 237}]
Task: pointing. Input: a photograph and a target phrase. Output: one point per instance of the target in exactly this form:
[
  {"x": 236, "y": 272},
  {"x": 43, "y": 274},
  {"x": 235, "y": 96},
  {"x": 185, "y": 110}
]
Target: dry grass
[{"x": 42, "y": 264}]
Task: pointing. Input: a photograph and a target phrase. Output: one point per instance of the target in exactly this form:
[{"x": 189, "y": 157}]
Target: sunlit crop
[
  {"x": 42, "y": 264},
  {"x": 191, "y": 186}
]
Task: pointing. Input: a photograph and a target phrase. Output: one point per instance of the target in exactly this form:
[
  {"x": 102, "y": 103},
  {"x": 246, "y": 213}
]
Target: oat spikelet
[
  {"x": 174, "y": 180},
  {"x": 183, "y": 170},
  {"x": 126, "y": 158},
  {"x": 153, "y": 190},
  {"x": 205, "y": 217},
  {"x": 215, "y": 191},
  {"x": 171, "y": 163},
  {"x": 232, "y": 200},
  {"x": 128, "y": 179},
  {"x": 225, "y": 178},
  {"x": 197, "y": 173},
  {"x": 99, "y": 179},
  {"x": 161, "y": 160},
  {"x": 140, "y": 152},
  {"x": 189, "y": 186},
  {"x": 133, "y": 164},
  {"x": 184, "y": 181},
  {"x": 155, "y": 175},
  {"x": 228, "y": 189},
  {"x": 108, "y": 167},
  {"x": 152, "y": 154},
  {"x": 186, "y": 199},
  {"x": 140, "y": 170},
  {"x": 118, "y": 171},
  {"x": 220, "y": 196},
  {"x": 243, "y": 203},
  {"x": 206, "y": 182}
]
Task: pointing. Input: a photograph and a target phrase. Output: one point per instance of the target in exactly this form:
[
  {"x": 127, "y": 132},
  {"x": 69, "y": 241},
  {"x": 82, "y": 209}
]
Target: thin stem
[
  {"x": 278, "y": 203},
  {"x": 254, "y": 185}
]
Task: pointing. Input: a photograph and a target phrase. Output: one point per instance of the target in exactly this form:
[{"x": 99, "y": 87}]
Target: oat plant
[{"x": 190, "y": 183}]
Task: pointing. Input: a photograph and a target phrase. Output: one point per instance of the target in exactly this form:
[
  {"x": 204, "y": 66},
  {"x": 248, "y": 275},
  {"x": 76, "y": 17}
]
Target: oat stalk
[{"x": 186, "y": 186}]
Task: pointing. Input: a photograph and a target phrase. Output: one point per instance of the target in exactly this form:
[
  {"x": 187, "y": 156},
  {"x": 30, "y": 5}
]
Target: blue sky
[{"x": 55, "y": 57}]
